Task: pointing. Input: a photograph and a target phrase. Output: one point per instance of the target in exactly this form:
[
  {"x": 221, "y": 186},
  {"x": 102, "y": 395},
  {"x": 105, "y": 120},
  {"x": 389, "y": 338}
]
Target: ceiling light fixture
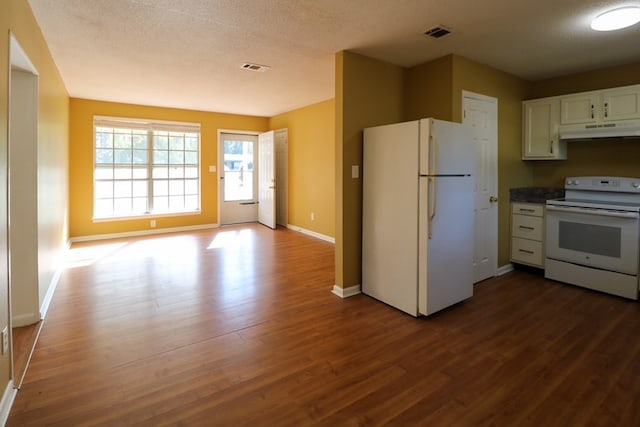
[{"x": 616, "y": 19}]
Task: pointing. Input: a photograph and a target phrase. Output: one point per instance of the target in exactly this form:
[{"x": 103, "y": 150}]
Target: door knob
[{"x": 493, "y": 199}]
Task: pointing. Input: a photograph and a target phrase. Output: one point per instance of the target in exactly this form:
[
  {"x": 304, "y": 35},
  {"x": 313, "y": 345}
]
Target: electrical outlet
[
  {"x": 5, "y": 340},
  {"x": 313, "y": 216},
  {"x": 153, "y": 223}
]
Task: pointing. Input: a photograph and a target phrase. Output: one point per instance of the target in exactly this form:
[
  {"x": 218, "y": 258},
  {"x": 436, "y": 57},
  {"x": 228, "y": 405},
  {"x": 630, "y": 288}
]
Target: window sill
[{"x": 146, "y": 216}]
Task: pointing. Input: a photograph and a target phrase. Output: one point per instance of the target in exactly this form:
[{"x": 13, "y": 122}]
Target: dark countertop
[{"x": 535, "y": 194}]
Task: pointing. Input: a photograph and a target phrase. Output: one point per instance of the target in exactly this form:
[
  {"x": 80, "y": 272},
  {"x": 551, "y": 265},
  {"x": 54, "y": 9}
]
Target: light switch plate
[{"x": 355, "y": 171}]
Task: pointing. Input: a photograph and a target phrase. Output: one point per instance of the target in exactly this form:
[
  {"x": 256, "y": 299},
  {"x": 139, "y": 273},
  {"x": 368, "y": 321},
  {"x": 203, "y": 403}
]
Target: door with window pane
[{"x": 238, "y": 178}]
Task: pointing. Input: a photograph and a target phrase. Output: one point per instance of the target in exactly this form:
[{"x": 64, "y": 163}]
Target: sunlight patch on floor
[
  {"x": 87, "y": 255},
  {"x": 226, "y": 239}
]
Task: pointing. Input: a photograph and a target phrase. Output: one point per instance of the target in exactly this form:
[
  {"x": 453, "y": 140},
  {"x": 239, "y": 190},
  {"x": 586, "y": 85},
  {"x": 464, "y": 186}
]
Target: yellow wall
[
  {"x": 428, "y": 90},
  {"x": 81, "y": 163},
  {"x": 53, "y": 122},
  {"x": 311, "y": 177},
  {"x": 604, "y": 78},
  {"x": 368, "y": 93},
  {"x": 433, "y": 89},
  {"x": 615, "y": 158},
  {"x": 454, "y": 73}
]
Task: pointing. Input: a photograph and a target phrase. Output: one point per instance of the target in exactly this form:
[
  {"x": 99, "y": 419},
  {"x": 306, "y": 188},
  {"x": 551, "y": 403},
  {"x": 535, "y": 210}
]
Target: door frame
[
  {"x": 281, "y": 140},
  {"x": 220, "y": 163},
  {"x": 25, "y": 306},
  {"x": 493, "y": 243}
]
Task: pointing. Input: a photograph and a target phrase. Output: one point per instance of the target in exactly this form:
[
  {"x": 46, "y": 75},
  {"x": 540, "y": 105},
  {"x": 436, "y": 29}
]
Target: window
[
  {"x": 144, "y": 168},
  {"x": 238, "y": 170}
]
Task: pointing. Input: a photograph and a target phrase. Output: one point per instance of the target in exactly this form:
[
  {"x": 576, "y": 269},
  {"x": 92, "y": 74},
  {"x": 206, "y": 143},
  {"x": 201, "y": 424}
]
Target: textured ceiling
[{"x": 188, "y": 53}]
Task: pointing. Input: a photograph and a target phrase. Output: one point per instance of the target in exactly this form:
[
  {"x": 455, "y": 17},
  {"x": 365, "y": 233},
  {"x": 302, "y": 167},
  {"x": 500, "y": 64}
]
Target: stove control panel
[{"x": 603, "y": 183}]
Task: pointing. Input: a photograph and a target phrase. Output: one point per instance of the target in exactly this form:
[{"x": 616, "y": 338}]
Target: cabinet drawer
[
  {"x": 527, "y": 251},
  {"x": 527, "y": 209},
  {"x": 528, "y": 227}
]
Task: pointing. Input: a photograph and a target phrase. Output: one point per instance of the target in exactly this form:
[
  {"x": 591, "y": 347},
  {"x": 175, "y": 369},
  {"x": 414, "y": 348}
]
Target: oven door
[{"x": 598, "y": 238}]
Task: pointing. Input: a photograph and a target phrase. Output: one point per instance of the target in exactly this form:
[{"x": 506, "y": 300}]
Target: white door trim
[{"x": 478, "y": 96}]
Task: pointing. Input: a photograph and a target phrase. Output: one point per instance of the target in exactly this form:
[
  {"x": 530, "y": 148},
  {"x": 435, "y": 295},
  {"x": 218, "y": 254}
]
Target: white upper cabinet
[
  {"x": 541, "y": 118},
  {"x": 621, "y": 104},
  {"x": 579, "y": 108},
  {"x": 602, "y": 106}
]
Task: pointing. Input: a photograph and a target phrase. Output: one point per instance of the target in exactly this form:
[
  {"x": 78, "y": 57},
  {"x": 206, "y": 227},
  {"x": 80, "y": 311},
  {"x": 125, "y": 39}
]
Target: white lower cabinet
[{"x": 527, "y": 234}]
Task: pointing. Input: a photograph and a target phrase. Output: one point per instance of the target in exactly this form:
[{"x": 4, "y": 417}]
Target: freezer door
[
  {"x": 446, "y": 233},
  {"x": 446, "y": 148}
]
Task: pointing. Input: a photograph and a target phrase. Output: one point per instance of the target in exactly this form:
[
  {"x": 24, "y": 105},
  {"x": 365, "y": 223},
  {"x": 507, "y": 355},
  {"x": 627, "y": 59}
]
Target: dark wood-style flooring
[
  {"x": 238, "y": 326},
  {"x": 24, "y": 341}
]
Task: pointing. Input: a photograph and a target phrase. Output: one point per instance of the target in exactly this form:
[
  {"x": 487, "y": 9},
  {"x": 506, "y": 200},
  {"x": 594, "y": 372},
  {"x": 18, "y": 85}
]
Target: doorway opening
[{"x": 253, "y": 177}]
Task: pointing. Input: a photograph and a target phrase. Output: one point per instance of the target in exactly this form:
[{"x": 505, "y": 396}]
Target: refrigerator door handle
[
  {"x": 432, "y": 204},
  {"x": 433, "y": 156}
]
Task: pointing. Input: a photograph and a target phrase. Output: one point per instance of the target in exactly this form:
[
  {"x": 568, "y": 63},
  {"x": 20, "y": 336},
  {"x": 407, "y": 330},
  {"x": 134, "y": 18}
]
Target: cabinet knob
[{"x": 493, "y": 199}]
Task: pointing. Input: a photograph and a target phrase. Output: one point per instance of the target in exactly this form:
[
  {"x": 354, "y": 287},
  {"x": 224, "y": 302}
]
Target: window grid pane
[
  {"x": 140, "y": 172},
  {"x": 238, "y": 170}
]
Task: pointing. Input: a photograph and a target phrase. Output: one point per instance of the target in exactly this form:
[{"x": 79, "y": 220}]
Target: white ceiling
[{"x": 188, "y": 53}]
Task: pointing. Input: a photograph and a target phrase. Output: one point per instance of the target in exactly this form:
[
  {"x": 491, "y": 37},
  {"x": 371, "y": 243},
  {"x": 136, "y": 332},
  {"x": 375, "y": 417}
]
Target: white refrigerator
[{"x": 418, "y": 215}]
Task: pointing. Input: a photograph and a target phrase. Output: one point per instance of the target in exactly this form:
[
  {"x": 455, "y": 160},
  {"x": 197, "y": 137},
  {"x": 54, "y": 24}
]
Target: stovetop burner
[
  {"x": 598, "y": 192},
  {"x": 597, "y": 204}
]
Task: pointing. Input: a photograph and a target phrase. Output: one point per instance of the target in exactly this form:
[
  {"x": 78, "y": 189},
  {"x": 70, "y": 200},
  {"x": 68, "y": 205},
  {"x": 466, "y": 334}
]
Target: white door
[
  {"x": 238, "y": 154},
  {"x": 267, "y": 180},
  {"x": 481, "y": 112}
]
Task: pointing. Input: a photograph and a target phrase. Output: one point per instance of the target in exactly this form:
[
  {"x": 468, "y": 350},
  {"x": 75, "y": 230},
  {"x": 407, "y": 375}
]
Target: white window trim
[{"x": 149, "y": 125}]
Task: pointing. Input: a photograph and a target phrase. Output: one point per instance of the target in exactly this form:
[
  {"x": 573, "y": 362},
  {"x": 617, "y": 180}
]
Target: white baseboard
[
  {"x": 7, "y": 402},
  {"x": 25, "y": 319},
  {"x": 142, "y": 233},
  {"x": 504, "y": 269},
  {"x": 346, "y": 292},
  {"x": 46, "y": 302},
  {"x": 311, "y": 233}
]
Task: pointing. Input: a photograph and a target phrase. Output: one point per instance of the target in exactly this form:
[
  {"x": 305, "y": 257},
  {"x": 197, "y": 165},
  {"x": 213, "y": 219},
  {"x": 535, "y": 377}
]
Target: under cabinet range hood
[{"x": 616, "y": 130}]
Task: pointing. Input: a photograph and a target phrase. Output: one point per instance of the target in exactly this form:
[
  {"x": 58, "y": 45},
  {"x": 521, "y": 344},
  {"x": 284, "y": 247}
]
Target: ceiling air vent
[
  {"x": 254, "y": 67},
  {"x": 437, "y": 32}
]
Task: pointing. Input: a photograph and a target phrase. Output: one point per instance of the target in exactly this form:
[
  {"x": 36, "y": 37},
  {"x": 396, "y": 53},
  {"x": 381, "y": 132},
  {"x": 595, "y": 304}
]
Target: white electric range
[{"x": 593, "y": 235}]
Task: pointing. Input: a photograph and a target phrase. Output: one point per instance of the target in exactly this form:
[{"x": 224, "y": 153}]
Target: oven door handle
[{"x": 590, "y": 211}]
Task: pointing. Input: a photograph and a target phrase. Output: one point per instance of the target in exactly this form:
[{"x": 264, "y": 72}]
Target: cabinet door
[
  {"x": 580, "y": 108},
  {"x": 540, "y": 129},
  {"x": 621, "y": 104}
]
